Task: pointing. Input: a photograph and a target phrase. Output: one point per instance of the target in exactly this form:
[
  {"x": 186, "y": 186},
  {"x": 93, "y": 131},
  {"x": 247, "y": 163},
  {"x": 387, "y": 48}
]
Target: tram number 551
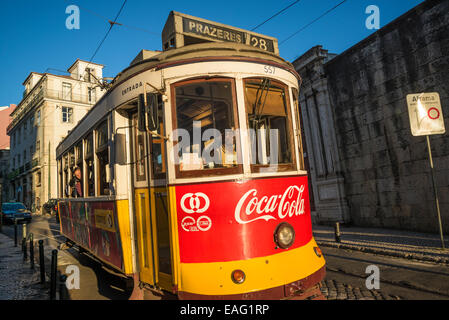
[{"x": 269, "y": 69}]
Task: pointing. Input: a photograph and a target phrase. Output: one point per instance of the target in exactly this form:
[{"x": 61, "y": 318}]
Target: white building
[{"x": 51, "y": 106}]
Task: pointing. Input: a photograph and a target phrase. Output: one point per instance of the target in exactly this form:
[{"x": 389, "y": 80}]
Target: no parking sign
[
  {"x": 426, "y": 118},
  {"x": 426, "y": 115}
]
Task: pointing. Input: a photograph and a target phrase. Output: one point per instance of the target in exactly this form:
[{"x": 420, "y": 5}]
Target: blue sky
[{"x": 33, "y": 35}]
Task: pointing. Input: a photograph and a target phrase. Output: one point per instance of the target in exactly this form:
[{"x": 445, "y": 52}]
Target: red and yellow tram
[{"x": 193, "y": 179}]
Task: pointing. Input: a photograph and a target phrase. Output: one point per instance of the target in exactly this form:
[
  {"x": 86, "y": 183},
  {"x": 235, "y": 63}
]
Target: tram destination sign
[
  {"x": 425, "y": 114},
  {"x": 181, "y": 30}
]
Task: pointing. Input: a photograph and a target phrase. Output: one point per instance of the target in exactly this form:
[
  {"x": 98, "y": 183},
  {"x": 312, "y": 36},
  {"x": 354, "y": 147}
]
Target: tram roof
[
  {"x": 195, "y": 53},
  {"x": 199, "y": 52}
]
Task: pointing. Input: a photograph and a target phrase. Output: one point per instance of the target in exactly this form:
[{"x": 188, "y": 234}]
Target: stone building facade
[
  {"x": 4, "y": 151},
  {"x": 51, "y": 106},
  {"x": 382, "y": 171}
]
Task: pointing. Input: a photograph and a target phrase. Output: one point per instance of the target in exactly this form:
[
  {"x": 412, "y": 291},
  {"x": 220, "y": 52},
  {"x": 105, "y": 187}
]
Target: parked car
[{"x": 12, "y": 211}]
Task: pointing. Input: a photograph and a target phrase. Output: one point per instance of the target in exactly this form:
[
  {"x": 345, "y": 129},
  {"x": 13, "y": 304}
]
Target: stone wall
[{"x": 386, "y": 170}]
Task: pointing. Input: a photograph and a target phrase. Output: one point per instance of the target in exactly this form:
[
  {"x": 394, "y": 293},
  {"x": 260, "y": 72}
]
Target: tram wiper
[{"x": 258, "y": 107}]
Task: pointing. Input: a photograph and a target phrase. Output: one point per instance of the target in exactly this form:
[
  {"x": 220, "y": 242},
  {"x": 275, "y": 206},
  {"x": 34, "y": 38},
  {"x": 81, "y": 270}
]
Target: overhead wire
[
  {"x": 312, "y": 22},
  {"x": 276, "y": 14}
]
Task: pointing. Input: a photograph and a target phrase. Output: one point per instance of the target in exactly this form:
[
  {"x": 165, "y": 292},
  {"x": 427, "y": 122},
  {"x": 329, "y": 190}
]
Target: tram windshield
[
  {"x": 268, "y": 117},
  {"x": 206, "y": 125}
]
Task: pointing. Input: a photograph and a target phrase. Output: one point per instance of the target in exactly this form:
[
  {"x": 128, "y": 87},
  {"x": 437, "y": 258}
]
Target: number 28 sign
[{"x": 425, "y": 113}]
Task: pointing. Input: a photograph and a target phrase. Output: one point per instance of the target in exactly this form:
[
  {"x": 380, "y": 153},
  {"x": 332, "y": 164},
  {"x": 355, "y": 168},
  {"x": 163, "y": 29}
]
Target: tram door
[
  {"x": 143, "y": 219},
  {"x": 152, "y": 207},
  {"x": 160, "y": 204}
]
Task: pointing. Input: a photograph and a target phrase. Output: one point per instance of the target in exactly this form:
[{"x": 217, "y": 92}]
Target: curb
[{"x": 390, "y": 253}]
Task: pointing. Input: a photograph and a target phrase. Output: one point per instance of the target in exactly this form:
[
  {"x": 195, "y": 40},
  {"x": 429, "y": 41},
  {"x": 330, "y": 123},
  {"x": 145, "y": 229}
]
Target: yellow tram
[{"x": 193, "y": 176}]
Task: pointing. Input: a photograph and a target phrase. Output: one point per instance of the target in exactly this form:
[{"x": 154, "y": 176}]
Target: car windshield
[{"x": 12, "y": 206}]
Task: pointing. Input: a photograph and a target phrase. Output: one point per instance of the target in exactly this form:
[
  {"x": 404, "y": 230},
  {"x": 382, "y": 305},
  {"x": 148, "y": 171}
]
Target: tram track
[{"x": 397, "y": 277}]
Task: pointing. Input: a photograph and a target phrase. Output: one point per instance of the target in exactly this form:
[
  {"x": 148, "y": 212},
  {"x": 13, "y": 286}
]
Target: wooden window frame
[
  {"x": 215, "y": 171},
  {"x": 281, "y": 167}
]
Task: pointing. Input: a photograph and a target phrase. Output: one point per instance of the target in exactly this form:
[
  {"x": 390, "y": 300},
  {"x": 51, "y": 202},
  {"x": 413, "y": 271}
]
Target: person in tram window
[{"x": 75, "y": 184}]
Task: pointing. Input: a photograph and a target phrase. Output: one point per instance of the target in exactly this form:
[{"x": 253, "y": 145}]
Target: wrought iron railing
[{"x": 30, "y": 102}]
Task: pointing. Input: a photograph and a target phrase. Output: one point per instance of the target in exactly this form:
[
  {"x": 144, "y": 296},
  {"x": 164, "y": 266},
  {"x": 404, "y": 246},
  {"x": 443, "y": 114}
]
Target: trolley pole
[{"x": 435, "y": 189}]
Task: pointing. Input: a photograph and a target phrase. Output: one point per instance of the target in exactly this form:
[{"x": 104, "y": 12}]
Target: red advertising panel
[
  {"x": 237, "y": 220},
  {"x": 93, "y": 225}
]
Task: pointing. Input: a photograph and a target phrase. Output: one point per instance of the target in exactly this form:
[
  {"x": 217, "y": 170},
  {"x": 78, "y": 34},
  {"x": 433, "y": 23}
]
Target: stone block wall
[{"x": 386, "y": 170}]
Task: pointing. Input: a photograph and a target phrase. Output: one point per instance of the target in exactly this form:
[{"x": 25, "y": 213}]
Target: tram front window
[
  {"x": 205, "y": 123},
  {"x": 269, "y": 121}
]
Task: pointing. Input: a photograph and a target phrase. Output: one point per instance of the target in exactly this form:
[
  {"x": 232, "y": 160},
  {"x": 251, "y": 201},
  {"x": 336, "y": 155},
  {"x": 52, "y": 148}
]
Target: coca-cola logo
[
  {"x": 251, "y": 208},
  {"x": 197, "y": 202}
]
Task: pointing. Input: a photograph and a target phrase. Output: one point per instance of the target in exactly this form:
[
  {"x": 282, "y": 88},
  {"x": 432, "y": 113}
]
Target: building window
[
  {"x": 102, "y": 153},
  {"x": 38, "y": 178},
  {"x": 19, "y": 160},
  {"x": 38, "y": 147},
  {"x": 67, "y": 114},
  {"x": 66, "y": 91},
  {"x": 89, "y": 75},
  {"x": 91, "y": 95},
  {"x": 24, "y": 156},
  {"x": 38, "y": 117}
]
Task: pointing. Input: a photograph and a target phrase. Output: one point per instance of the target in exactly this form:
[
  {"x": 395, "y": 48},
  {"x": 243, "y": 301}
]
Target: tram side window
[
  {"x": 140, "y": 153},
  {"x": 269, "y": 120},
  {"x": 102, "y": 153},
  {"x": 60, "y": 180},
  {"x": 158, "y": 153},
  {"x": 66, "y": 175},
  {"x": 89, "y": 162},
  {"x": 205, "y": 112}
]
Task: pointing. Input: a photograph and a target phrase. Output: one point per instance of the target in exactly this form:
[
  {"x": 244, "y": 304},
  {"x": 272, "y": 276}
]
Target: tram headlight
[
  {"x": 238, "y": 276},
  {"x": 284, "y": 235}
]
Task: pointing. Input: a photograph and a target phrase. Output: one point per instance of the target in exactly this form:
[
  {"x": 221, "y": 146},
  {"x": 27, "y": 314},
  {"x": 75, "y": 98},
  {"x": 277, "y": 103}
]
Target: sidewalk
[
  {"x": 17, "y": 280},
  {"x": 403, "y": 244}
]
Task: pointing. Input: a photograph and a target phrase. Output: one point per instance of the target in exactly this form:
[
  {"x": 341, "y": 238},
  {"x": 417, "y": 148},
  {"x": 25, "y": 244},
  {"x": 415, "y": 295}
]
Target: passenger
[{"x": 75, "y": 184}]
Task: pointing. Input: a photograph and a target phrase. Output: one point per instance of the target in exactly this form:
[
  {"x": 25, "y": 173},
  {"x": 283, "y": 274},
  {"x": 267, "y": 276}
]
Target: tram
[{"x": 192, "y": 170}]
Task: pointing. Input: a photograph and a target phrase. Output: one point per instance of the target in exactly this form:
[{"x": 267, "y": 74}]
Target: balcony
[
  {"x": 28, "y": 103},
  {"x": 23, "y": 169},
  {"x": 67, "y": 96}
]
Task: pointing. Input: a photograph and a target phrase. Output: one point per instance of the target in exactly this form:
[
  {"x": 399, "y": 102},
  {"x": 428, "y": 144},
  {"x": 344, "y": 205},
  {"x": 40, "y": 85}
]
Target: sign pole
[{"x": 436, "y": 192}]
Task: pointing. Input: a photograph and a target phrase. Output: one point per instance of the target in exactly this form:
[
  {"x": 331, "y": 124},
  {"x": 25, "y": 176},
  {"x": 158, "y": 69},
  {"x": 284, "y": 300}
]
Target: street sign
[
  {"x": 426, "y": 118},
  {"x": 425, "y": 113}
]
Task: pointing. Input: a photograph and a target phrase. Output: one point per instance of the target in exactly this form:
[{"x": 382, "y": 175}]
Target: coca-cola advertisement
[{"x": 237, "y": 220}]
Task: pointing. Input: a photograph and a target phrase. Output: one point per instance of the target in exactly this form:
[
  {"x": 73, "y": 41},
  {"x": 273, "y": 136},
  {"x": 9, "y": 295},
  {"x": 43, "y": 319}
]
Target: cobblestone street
[
  {"x": 17, "y": 280},
  {"x": 334, "y": 290}
]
